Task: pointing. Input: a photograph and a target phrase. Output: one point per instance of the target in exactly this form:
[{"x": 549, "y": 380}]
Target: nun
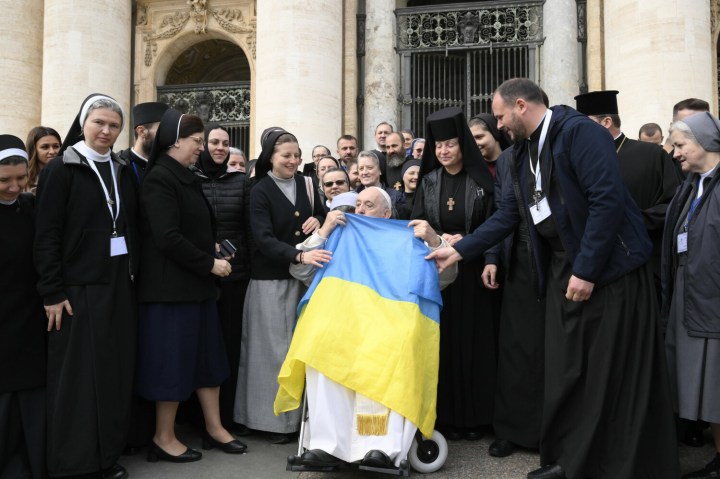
[
  {"x": 690, "y": 279},
  {"x": 22, "y": 324},
  {"x": 284, "y": 211},
  {"x": 86, "y": 258},
  {"x": 180, "y": 344},
  {"x": 455, "y": 195}
]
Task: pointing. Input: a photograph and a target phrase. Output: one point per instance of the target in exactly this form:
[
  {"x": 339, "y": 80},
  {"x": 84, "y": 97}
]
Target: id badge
[
  {"x": 118, "y": 246},
  {"x": 682, "y": 242},
  {"x": 540, "y": 210}
]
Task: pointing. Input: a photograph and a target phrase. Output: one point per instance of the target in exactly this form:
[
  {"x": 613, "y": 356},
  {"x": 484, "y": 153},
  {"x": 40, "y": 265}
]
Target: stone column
[
  {"x": 560, "y": 65},
  {"x": 21, "y": 64},
  {"x": 86, "y": 50},
  {"x": 381, "y": 66},
  {"x": 658, "y": 61},
  {"x": 299, "y": 70},
  {"x": 350, "y": 69}
]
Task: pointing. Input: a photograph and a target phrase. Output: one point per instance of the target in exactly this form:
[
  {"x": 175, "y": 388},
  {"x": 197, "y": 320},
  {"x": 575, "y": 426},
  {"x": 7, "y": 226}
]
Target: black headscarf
[
  {"x": 206, "y": 162},
  {"x": 451, "y": 123},
  {"x": 268, "y": 139},
  {"x": 75, "y": 133},
  {"x": 168, "y": 133},
  {"x": 491, "y": 123}
]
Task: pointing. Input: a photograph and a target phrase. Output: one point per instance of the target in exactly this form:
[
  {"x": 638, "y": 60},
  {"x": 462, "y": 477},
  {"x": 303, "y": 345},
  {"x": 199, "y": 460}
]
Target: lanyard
[
  {"x": 109, "y": 201},
  {"x": 543, "y": 133},
  {"x": 137, "y": 173}
]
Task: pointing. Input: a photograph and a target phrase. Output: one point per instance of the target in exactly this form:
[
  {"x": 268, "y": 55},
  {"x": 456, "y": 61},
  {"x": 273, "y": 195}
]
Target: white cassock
[{"x": 332, "y": 423}]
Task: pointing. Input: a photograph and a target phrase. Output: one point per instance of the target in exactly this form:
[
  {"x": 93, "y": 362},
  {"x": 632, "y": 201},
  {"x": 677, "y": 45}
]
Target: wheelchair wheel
[{"x": 428, "y": 455}]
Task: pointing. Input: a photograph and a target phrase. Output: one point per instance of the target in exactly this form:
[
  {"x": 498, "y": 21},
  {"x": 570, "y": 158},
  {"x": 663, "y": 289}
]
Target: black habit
[
  {"x": 468, "y": 321},
  {"x": 91, "y": 358},
  {"x": 23, "y": 346}
]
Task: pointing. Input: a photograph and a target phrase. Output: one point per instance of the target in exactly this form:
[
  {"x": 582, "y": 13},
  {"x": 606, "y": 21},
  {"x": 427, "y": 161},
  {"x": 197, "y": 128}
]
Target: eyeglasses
[
  {"x": 200, "y": 141},
  {"x": 328, "y": 184}
]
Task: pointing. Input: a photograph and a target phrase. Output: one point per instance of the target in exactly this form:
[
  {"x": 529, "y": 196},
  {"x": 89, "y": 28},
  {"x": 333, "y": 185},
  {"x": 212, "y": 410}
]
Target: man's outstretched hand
[{"x": 444, "y": 257}]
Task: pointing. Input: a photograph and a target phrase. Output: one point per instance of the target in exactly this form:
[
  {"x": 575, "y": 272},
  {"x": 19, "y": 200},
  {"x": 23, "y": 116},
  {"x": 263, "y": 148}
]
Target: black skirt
[
  {"x": 90, "y": 375},
  {"x": 180, "y": 349}
]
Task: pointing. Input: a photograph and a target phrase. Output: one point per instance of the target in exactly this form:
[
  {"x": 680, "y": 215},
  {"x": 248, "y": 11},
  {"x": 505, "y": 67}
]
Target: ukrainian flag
[{"x": 371, "y": 321}]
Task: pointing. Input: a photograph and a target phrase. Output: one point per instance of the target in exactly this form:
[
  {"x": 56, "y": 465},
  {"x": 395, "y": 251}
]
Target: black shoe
[
  {"x": 473, "y": 434},
  {"x": 319, "y": 458},
  {"x": 232, "y": 447},
  {"x": 280, "y": 438},
  {"x": 116, "y": 471},
  {"x": 710, "y": 471},
  {"x": 451, "y": 433},
  {"x": 501, "y": 448},
  {"x": 553, "y": 471},
  {"x": 377, "y": 459},
  {"x": 156, "y": 453}
]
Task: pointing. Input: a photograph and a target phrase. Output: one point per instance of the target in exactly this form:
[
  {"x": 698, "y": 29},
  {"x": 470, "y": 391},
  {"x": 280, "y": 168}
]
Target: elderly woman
[
  {"x": 370, "y": 175},
  {"x": 455, "y": 196},
  {"x": 283, "y": 212},
  {"x": 43, "y": 144},
  {"x": 224, "y": 189},
  {"x": 335, "y": 181},
  {"x": 23, "y": 348},
  {"x": 180, "y": 346},
  {"x": 86, "y": 257},
  {"x": 690, "y": 278}
]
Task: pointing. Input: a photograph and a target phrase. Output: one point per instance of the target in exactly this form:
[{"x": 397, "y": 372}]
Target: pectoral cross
[
  {"x": 450, "y": 203},
  {"x": 397, "y": 185}
]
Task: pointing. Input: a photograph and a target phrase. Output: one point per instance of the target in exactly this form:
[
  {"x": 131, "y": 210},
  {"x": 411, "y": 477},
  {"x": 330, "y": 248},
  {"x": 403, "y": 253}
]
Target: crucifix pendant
[{"x": 450, "y": 203}]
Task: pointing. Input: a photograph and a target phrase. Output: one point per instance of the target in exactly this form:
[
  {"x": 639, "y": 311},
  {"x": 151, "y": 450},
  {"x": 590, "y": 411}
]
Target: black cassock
[{"x": 652, "y": 180}]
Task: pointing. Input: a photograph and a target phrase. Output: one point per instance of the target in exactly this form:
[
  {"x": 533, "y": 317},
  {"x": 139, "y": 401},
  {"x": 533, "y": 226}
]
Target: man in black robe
[
  {"x": 607, "y": 410},
  {"x": 395, "y": 156},
  {"x": 146, "y": 118},
  {"x": 23, "y": 348},
  {"x": 645, "y": 168}
]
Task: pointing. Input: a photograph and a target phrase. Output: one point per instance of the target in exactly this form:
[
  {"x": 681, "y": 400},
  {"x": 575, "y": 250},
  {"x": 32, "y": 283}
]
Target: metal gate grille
[
  {"x": 226, "y": 103},
  {"x": 457, "y": 55}
]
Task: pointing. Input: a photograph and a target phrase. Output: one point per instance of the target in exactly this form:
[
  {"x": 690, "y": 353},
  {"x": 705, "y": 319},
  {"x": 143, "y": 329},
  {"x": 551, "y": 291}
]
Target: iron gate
[
  {"x": 457, "y": 55},
  {"x": 226, "y": 103}
]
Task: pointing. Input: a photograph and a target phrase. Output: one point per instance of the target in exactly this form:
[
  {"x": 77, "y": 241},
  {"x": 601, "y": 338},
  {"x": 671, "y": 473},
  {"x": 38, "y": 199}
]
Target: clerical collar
[
  {"x": 8, "y": 203},
  {"x": 616, "y": 138},
  {"x": 535, "y": 136},
  {"x": 82, "y": 148},
  {"x": 138, "y": 155}
]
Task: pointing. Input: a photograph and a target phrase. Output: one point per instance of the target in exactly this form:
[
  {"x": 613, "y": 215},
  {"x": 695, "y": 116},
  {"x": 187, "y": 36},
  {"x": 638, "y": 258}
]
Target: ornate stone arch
[{"x": 166, "y": 28}]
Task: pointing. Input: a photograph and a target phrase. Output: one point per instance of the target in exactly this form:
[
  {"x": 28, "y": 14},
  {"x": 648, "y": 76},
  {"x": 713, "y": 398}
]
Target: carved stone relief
[{"x": 200, "y": 11}]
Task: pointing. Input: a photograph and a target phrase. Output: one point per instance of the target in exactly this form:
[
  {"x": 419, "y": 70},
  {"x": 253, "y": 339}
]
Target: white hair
[{"x": 385, "y": 195}]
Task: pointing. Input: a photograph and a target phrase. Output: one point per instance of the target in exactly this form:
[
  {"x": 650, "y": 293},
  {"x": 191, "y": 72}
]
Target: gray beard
[{"x": 393, "y": 161}]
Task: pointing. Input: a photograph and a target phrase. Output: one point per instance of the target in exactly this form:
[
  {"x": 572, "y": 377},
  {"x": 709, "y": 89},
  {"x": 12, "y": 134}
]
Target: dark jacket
[
  {"x": 600, "y": 226},
  {"x": 226, "y": 195},
  {"x": 701, "y": 298},
  {"x": 277, "y": 227},
  {"x": 73, "y": 225},
  {"x": 178, "y": 236},
  {"x": 135, "y": 163},
  {"x": 427, "y": 203}
]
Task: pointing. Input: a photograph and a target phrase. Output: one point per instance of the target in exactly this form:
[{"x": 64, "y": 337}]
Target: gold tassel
[{"x": 373, "y": 424}]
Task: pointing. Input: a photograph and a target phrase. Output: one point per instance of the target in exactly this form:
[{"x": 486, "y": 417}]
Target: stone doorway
[{"x": 211, "y": 79}]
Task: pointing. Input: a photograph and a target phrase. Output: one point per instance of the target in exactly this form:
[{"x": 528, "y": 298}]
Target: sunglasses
[{"x": 328, "y": 184}]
